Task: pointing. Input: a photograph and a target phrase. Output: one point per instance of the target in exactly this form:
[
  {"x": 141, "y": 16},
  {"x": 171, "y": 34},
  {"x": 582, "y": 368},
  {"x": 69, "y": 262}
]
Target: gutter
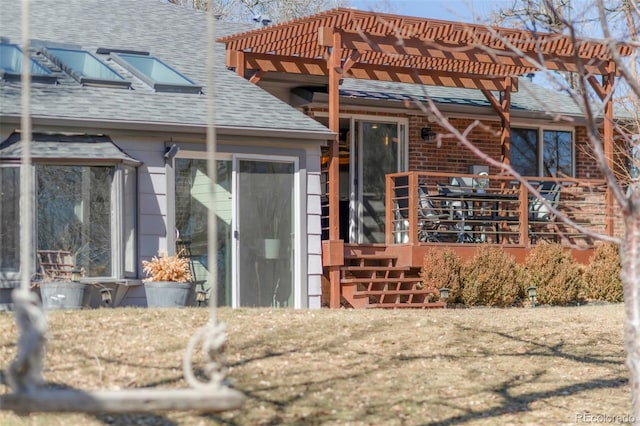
[{"x": 146, "y": 126}]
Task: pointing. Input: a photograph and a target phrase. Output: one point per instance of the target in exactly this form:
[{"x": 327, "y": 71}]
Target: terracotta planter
[
  {"x": 168, "y": 294},
  {"x": 62, "y": 295}
]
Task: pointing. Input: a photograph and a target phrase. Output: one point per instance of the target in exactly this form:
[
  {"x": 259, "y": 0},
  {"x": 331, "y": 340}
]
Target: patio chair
[
  {"x": 55, "y": 264},
  {"x": 429, "y": 216},
  {"x": 459, "y": 211},
  {"x": 183, "y": 249},
  {"x": 539, "y": 214}
]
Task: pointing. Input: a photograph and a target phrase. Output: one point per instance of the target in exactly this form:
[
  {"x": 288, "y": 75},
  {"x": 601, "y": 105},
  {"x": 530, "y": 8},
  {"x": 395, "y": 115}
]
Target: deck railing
[{"x": 424, "y": 207}]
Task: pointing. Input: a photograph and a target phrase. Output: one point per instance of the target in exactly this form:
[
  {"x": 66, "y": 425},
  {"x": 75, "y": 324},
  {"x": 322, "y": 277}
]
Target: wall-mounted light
[
  {"x": 171, "y": 152},
  {"x": 427, "y": 134}
]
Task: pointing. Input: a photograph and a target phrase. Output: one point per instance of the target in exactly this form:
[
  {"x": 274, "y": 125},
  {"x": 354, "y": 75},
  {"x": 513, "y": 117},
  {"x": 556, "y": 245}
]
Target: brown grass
[{"x": 472, "y": 366}]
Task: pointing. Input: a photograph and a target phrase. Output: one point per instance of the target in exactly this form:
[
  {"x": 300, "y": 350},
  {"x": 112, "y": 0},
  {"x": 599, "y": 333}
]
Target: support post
[
  {"x": 607, "y": 85},
  {"x": 503, "y": 108},
  {"x": 333, "y": 65}
]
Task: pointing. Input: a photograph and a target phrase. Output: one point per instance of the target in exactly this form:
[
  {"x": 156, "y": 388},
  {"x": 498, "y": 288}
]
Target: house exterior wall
[
  {"x": 155, "y": 200},
  {"x": 309, "y": 259}
]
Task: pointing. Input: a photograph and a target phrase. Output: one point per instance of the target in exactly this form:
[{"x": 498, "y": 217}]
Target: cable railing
[{"x": 424, "y": 207}]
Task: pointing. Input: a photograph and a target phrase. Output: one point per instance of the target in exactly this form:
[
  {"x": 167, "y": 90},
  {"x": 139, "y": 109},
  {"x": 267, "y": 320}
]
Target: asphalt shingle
[{"x": 176, "y": 35}]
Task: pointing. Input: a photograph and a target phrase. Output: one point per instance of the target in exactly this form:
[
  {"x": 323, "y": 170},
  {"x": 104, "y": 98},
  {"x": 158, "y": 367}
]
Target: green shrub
[
  {"x": 601, "y": 279},
  {"x": 556, "y": 274},
  {"x": 490, "y": 278},
  {"x": 441, "y": 268}
]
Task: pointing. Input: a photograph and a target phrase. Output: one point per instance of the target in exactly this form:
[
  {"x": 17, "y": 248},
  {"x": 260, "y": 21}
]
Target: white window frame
[{"x": 118, "y": 249}]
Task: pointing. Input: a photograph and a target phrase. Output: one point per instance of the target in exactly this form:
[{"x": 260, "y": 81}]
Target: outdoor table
[{"x": 471, "y": 202}]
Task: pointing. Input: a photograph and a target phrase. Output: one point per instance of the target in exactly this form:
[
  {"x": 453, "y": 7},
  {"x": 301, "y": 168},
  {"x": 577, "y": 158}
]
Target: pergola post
[
  {"x": 607, "y": 85},
  {"x": 335, "y": 246},
  {"x": 503, "y": 108},
  {"x": 604, "y": 91}
]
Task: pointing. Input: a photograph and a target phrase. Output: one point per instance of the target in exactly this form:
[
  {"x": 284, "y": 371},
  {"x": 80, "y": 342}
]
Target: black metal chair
[
  {"x": 429, "y": 217},
  {"x": 539, "y": 214}
]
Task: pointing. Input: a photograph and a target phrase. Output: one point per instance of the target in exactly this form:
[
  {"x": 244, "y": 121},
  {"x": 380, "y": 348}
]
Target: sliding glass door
[
  {"x": 265, "y": 232},
  {"x": 255, "y": 215},
  {"x": 380, "y": 150}
]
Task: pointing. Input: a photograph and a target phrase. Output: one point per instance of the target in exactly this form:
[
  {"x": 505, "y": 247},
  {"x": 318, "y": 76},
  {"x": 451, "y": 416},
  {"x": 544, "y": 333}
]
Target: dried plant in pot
[{"x": 169, "y": 281}]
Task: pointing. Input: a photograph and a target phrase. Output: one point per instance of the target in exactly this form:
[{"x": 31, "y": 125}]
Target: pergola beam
[{"x": 351, "y": 68}]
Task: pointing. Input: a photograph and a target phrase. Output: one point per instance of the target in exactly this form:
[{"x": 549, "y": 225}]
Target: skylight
[
  {"x": 156, "y": 73},
  {"x": 85, "y": 68},
  {"x": 11, "y": 65}
]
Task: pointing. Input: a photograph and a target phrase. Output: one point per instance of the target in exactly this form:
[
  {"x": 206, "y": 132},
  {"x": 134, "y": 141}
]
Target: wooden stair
[{"x": 374, "y": 281}]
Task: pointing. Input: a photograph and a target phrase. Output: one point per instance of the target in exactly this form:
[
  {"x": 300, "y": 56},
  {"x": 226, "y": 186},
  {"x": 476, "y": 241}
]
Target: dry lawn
[{"x": 448, "y": 367}]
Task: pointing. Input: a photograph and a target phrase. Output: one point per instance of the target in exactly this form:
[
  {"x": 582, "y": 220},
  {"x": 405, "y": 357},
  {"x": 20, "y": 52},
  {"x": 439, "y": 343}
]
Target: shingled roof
[{"x": 174, "y": 34}]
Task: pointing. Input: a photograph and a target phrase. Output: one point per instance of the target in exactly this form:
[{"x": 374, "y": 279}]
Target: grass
[{"x": 448, "y": 367}]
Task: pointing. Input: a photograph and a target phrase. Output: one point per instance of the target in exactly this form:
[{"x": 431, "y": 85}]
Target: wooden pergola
[{"x": 367, "y": 45}]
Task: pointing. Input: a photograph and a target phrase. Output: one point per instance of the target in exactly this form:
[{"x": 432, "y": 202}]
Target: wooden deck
[{"x": 388, "y": 275}]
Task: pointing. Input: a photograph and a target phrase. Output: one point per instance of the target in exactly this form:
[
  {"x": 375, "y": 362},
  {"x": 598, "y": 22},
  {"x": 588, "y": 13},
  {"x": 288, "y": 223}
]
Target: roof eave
[{"x": 186, "y": 128}]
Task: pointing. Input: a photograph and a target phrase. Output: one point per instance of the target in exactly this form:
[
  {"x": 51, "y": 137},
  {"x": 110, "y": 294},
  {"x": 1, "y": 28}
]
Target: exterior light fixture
[
  {"x": 201, "y": 297},
  {"x": 76, "y": 274},
  {"x": 105, "y": 294},
  {"x": 444, "y": 294},
  {"x": 427, "y": 134},
  {"x": 532, "y": 292}
]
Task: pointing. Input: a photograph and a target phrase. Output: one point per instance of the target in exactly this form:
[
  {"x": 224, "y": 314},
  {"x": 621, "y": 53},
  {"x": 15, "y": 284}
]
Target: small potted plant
[{"x": 169, "y": 281}]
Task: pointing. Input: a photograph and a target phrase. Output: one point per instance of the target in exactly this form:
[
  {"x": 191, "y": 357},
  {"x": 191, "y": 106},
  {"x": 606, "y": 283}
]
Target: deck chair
[
  {"x": 539, "y": 214},
  {"x": 430, "y": 218},
  {"x": 55, "y": 265},
  {"x": 458, "y": 211},
  {"x": 183, "y": 249},
  {"x": 428, "y": 215}
]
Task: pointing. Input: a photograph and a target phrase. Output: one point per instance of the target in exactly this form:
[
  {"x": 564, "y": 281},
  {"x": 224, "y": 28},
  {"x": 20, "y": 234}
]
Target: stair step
[
  {"x": 376, "y": 256},
  {"x": 392, "y": 280},
  {"x": 392, "y": 292},
  {"x": 374, "y": 268},
  {"x": 407, "y": 305}
]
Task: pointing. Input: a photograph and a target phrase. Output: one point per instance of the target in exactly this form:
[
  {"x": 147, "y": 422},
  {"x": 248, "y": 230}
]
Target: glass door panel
[
  {"x": 192, "y": 201},
  {"x": 265, "y": 232},
  {"x": 378, "y": 147}
]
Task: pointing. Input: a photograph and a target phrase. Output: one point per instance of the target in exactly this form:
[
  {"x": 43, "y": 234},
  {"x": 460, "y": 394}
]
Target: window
[
  {"x": 554, "y": 157},
  {"x": 74, "y": 214},
  {"x": 85, "y": 68},
  {"x": 87, "y": 208},
  {"x": 9, "y": 219},
  {"x": 156, "y": 73},
  {"x": 557, "y": 153},
  {"x": 11, "y": 65}
]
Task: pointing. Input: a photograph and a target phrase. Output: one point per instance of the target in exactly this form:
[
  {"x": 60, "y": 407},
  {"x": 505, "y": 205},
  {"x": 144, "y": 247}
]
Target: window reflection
[
  {"x": 557, "y": 152},
  {"x": 74, "y": 214},
  {"x": 557, "y": 157},
  {"x": 9, "y": 219},
  {"x": 524, "y": 151},
  {"x": 192, "y": 200}
]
